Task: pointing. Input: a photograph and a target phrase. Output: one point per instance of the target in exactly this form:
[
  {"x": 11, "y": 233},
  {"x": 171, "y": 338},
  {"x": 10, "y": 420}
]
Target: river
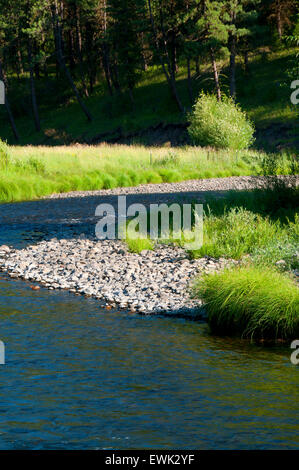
[{"x": 80, "y": 377}]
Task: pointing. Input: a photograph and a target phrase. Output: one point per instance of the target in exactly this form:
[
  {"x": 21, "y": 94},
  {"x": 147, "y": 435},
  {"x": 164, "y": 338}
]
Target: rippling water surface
[{"x": 80, "y": 377}]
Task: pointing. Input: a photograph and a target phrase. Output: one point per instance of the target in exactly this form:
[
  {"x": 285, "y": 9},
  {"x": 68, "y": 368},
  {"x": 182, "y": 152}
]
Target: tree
[
  {"x": 213, "y": 34},
  {"x": 60, "y": 57},
  {"x": 236, "y": 17},
  {"x": 280, "y": 13},
  {"x": 169, "y": 26},
  {"x": 126, "y": 21}
]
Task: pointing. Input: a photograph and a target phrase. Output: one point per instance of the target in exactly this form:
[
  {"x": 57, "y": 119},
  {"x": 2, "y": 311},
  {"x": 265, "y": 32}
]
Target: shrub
[
  {"x": 36, "y": 165},
  {"x": 220, "y": 124},
  {"x": 251, "y": 302}
]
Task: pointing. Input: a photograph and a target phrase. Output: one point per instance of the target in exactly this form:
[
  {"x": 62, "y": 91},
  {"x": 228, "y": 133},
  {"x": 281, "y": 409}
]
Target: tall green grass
[
  {"x": 32, "y": 172},
  {"x": 239, "y": 232},
  {"x": 251, "y": 302}
]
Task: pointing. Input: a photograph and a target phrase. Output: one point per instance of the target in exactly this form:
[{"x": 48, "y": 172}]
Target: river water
[{"x": 80, "y": 377}]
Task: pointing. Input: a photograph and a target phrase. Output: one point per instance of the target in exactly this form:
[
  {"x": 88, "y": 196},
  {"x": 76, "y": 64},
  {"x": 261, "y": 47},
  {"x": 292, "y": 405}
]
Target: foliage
[
  {"x": 136, "y": 245},
  {"x": 220, "y": 124}
]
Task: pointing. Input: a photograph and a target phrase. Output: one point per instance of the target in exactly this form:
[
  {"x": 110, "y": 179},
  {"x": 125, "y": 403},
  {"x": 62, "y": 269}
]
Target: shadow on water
[{"x": 25, "y": 223}]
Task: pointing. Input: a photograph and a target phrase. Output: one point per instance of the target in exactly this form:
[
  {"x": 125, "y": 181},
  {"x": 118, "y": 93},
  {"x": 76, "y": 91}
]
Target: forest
[{"x": 56, "y": 53}]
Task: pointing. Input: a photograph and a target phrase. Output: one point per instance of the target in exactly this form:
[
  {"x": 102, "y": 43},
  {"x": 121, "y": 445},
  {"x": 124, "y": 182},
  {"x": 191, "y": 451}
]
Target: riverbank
[
  {"x": 58, "y": 249},
  {"x": 29, "y": 173},
  {"x": 155, "y": 281}
]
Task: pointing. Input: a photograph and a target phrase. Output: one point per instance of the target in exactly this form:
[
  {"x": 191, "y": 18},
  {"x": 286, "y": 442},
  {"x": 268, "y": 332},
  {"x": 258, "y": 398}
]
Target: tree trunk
[
  {"x": 197, "y": 69},
  {"x": 246, "y": 66},
  {"x": 170, "y": 77},
  {"x": 216, "y": 76},
  {"x": 36, "y": 65},
  {"x": 190, "y": 91},
  {"x": 173, "y": 54},
  {"x": 115, "y": 77},
  {"x": 232, "y": 66},
  {"x": 131, "y": 98},
  {"x": 278, "y": 19},
  {"x": 143, "y": 53},
  {"x": 60, "y": 58},
  {"x": 20, "y": 69},
  {"x": 7, "y": 106},
  {"x": 91, "y": 59},
  {"x": 106, "y": 66},
  {"x": 32, "y": 87},
  {"x": 79, "y": 49},
  {"x": 11, "y": 120},
  {"x": 71, "y": 49},
  {"x": 106, "y": 51}
]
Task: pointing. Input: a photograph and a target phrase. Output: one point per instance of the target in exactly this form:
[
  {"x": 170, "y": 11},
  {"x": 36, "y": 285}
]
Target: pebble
[
  {"x": 209, "y": 184},
  {"x": 151, "y": 282}
]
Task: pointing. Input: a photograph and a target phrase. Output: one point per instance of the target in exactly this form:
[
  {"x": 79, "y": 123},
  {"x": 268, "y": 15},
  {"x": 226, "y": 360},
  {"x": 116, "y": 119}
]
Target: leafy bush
[
  {"x": 281, "y": 164},
  {"x": 251, "y": 302},
  {"x": 220, "y": 124}
]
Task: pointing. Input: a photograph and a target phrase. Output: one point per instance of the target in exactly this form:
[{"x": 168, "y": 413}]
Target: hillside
[{"x": 263, "y": 93}]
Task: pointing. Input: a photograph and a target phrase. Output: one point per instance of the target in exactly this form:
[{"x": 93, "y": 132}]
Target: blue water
[{"x": 80, "y": 377}]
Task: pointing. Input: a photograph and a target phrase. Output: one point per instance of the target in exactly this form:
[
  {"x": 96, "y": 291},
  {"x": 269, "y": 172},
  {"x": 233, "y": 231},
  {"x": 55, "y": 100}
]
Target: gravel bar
[
  {"x": 211, "y": 184},
  {"x": 155, "y": 281}
]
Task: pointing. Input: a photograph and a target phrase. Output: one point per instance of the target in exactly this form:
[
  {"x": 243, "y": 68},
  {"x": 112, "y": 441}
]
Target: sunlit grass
[
  {"x": 251, "y": 302},
  {"x": 33, "y": 172}
]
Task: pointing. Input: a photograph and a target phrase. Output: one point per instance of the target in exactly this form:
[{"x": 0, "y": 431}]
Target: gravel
[
  {"x": 211, "y": 184},
  {"x": 155, "y": 281},
  {"x": 151, "y": 282}
]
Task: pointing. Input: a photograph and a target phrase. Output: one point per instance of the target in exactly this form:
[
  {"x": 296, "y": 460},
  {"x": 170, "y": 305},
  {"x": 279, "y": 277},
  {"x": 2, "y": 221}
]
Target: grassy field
[
  {"x": 263, "y": 93},
  {"x": 31, "y": 172}
]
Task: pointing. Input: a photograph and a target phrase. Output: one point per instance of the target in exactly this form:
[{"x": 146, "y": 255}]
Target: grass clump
[
  {"x": 251, "y": 302},
  {"x": 220, "y": 124},
  {"x": 139, "y": 244},
  {"x": 4, "y": 155},
  {"x": 238, "y": 232}
]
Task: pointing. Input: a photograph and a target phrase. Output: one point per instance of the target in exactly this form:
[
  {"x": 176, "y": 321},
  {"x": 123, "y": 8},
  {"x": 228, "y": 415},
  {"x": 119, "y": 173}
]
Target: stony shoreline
[
  {"x": 188, "y": 186},
  {"x": 151, "y": 282}
]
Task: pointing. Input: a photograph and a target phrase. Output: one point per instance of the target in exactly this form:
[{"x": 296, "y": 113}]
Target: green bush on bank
[
  {"x": 251, "y": 302},
  {"x": 220, "y": 124}
]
